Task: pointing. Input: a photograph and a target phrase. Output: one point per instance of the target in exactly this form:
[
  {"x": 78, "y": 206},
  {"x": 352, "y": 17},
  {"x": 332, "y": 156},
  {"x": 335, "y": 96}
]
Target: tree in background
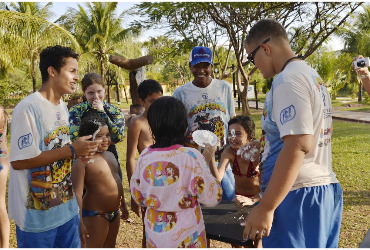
[
  {"x": 309, "y": 24},
  {"x": 332, "y": 66},
  {"x": 25, "y": 32},
  {"x": 357, "y": 41},
  {"x": 165, "y": 52},
  {"x": 98, "y": 30},
  {"x": 194, "y": 26}
]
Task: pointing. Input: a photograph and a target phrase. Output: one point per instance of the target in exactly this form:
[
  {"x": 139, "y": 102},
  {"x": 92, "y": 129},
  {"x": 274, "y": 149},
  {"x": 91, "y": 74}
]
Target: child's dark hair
[
  {"x": 168, "y": 121},
  {"x": 247, "y": 123},
  {"x": 90, "y": 79},
  {"x": 90, "y": 124},
  {"x": 54, "y": 56},
  {"x": 148, "y": 87}
]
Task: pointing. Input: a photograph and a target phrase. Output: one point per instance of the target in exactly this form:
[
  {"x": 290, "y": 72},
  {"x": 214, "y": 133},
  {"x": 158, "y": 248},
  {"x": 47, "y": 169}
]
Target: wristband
[
  {"x": 73, "y": 151},
  {"x": 365, "y": 76}
]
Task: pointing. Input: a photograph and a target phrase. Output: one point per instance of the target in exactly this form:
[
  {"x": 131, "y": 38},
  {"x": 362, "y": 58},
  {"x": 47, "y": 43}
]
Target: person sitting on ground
[
  {"x": 104, "y": 197},
  {"x": 139, "y": 136}
]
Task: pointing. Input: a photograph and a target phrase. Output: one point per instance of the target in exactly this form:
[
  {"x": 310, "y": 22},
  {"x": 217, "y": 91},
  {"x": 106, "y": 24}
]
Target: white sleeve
[
  {"x": 25, "y": 140},
  {"x": 292, "y": 109}
]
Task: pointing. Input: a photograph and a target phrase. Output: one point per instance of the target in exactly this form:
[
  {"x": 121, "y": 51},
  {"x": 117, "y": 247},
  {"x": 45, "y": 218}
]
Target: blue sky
[{"x": 60, "y": 8}]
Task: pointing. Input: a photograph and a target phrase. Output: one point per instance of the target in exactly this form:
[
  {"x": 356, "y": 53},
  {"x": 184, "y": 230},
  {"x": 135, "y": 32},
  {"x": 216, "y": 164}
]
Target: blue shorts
[
  {"x": 64, "y": 236},
  {"x": 228, "y": 184},
  {"x": 308, "y": 218}
]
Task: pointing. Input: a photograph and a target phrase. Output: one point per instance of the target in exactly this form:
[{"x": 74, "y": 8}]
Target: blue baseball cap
[{"x": 200, "y": 54}]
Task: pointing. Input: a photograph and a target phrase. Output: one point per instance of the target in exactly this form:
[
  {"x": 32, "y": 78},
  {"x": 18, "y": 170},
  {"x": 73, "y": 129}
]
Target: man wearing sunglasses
[{"x": 301, "y": 203}]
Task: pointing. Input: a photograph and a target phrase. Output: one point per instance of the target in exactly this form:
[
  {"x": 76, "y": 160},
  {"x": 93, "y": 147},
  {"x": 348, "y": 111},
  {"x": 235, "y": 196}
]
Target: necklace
[{"x": 294, "y": 57}]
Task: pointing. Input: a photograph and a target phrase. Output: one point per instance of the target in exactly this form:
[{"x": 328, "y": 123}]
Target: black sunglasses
[{"x": 250, "y": 57}]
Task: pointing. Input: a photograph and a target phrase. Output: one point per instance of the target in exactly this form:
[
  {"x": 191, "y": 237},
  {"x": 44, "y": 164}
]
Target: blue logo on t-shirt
[
  {"x": 25, "y": 141},
  {"x": 287, "y": 114}
]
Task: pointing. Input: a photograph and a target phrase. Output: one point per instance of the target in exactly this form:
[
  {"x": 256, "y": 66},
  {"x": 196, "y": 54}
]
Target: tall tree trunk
[
  {"x": 33, "y": 81},
  {"x": 181, "y": 73},
  {"x": 135, "y": 108},
  {"x": 242, "y": 94},
  {"x": 360, "y": 91},
  {"x": 133, "y": 87},
  {"x": 102, "y": 67},
  {"x": 33, "y": 75}
]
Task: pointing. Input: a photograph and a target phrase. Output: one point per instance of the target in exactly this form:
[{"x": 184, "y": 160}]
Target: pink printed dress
[{"x": 171, "y": 182}]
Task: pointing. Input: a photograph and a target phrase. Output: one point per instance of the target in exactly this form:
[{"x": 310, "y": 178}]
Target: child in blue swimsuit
[{"x": 104, "y": 198}]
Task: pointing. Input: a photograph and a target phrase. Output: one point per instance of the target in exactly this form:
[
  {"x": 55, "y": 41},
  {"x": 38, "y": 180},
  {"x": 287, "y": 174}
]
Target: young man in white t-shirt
[
  {"x": 301, "y": 203},
  {"x": 210, "y": 104},
  {"x": 41, "y": 199}
]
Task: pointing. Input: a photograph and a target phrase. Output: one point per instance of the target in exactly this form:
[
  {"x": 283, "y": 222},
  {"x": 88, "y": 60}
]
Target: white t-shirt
[
  {"x": 299, "y": 103},
  {"x": 208, "y": 108},
  {"x": 40, "y": 198}
]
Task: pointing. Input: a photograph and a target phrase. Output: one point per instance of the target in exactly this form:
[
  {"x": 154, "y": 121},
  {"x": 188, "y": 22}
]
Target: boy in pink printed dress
[{"x": 171, "y": 180}]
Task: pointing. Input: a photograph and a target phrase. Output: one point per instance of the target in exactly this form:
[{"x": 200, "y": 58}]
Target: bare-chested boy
[
  {"x": 104, "y": 197},
  {"x": 138, "y": 133}
]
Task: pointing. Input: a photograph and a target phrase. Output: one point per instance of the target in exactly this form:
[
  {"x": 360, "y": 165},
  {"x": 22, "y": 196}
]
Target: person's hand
[
  {"x": 98, "y": 104},
  {"x": 250, "y": 151},
  {"x": 84, "y": 148},
  {"x": 124, "y": 212},
  {"x": 83, "y": 234},
  {"x": 208, "y": 151},
  {"x": 364, "y": 71},
  {"x": 258, "y": 223},
  {"x": 243, "y": 201},
  {"x": 135, "y": 207}
]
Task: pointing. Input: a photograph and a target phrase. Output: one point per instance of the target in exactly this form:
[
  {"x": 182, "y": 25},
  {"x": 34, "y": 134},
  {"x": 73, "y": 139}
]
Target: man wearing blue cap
[{"x": 209, "y": 103}]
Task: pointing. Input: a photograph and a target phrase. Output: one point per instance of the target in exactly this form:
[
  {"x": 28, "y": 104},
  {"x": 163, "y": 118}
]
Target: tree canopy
[
  {"x": 25, "y": 32},
  {"x": 309, "y": 24}
]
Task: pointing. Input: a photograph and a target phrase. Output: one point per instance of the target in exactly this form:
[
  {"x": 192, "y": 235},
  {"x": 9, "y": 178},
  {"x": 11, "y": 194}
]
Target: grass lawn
[
  {"x": 351, "y": 161},
  {"x": 343, "y": 105}
]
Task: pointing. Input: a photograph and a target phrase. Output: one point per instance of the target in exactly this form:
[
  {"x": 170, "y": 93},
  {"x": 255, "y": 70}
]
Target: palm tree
[
  {"x": 25, "y": 31},
  {"x": 357, "y": 38},
  {"x": 97, "y": 29}
]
